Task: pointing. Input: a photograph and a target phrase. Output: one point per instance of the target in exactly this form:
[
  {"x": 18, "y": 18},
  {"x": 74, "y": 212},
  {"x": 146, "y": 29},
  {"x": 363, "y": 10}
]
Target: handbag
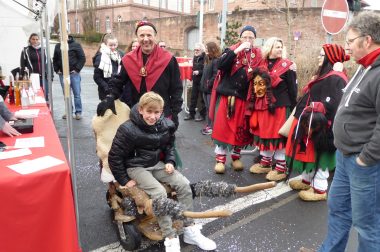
[{"x": 285, "y": 128}]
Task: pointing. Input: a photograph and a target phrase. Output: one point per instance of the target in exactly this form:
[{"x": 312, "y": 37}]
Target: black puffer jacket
[
  {"x": 137, "y": 144},
  {"x": 104, "y": 87}
]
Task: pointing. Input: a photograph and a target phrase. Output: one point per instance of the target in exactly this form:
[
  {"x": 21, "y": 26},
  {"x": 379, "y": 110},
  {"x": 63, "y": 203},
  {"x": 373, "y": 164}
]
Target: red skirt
[
  {"x": 231, "y": 131},
  {"x": 305, "y": 156}
]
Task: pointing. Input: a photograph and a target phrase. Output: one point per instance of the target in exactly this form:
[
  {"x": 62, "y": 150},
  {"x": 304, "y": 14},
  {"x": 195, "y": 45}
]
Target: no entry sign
[{"x": 334, "y": 15}]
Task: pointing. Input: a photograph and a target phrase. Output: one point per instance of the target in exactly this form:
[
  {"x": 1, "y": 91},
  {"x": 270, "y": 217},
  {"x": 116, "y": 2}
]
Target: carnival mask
[{"x": 260, "y": 86}]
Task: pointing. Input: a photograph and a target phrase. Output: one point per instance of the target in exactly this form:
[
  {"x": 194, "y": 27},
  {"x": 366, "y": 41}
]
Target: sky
[{"x": 374, "y": 4}]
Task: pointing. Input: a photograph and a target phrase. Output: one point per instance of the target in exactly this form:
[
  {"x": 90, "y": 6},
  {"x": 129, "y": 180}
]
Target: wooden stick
[
  {"x": 208, "y": 214},
  {"x": 255, "y": 187}
]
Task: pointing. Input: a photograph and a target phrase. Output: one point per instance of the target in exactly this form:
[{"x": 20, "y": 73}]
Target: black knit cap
[
  {"x": 248, "y": 28},
  {"x": 143, "y": 23}
]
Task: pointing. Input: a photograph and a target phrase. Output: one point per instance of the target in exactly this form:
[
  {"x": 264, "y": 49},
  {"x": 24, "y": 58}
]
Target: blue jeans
[
  {"x": 75, "y": 87},
  {"x": 354, "y": 199}
]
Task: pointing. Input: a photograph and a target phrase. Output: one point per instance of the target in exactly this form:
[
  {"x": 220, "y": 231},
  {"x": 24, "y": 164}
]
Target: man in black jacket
[
  {"x": 76, "y": 63},
  {"x": 196, "y": 93},
  {"x": 147, "y": 68}
]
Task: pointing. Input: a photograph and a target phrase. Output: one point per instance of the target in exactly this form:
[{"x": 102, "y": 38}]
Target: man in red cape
[{"x": 147, "y": 68}]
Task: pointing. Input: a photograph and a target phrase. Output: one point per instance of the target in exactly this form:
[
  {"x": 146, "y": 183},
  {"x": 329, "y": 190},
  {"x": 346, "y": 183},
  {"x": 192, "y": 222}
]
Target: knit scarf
[{"x": 105, "y": 60}]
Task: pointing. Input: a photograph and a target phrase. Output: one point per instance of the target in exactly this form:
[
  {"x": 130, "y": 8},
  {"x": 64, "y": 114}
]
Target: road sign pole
[{"x": 328, "y": 38}]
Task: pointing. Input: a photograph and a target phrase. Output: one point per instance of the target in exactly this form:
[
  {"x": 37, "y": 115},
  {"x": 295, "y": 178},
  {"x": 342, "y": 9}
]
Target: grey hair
[
  {"x": 269, "y": 44},
  {"x": 367, "y": 23},
  {"x": 200, "y": 46}
]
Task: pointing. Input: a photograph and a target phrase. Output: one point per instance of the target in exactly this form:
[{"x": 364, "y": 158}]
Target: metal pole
[
  {"x": 328, "y": 38},
  {"x": 66, "y": 79},
  {"x": 48, "y": 60},
  {"x": 201, "y": 21},
  {"x": 42, "y": 53},
  {"x": 224, "y": 22}
]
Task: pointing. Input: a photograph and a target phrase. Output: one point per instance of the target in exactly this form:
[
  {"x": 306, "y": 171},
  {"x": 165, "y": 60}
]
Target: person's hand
[
  {"x": 196, "y": 72},
  {"x": 73, "y": 72},
  {"x": 9, "y": 130},
  {"x": 130, "y": 183},
  {"x": 169, "y": 168},
  {"x": 107, "y": 103},
  {"x": 243, "y": 46},
  {"x": 360, "y": 162}
]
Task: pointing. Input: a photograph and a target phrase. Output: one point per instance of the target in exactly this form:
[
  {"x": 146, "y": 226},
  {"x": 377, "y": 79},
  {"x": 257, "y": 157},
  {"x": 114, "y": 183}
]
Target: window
[
  {"x": 119, "y": 19},
  {"x": 119, "y": 1},
  {"x": 77, "y": 25},
  {"x": 97, "y": 2},
  {"x": 108, "y": 24},
  {"x": 314, "y": 3},
  {"x": 97, "y": 25},
  {"x": 211, "y": 4}
]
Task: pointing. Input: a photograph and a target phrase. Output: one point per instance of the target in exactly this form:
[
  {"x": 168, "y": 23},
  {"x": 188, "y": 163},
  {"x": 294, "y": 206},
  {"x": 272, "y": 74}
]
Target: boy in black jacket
[{"x": 142, "y": 154}]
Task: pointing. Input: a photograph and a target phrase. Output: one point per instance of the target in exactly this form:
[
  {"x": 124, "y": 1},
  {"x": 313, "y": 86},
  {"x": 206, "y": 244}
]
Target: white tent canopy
[{"x": 16, "y": 24}]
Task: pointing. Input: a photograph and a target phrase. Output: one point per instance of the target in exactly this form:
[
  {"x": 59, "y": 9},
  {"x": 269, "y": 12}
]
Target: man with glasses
[
  {"x": 354, "y": 198},
  {"x": 196, "y": 93}
]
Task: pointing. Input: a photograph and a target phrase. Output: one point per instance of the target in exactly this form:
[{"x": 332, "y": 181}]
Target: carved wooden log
[{"x": 255, "y": 187}]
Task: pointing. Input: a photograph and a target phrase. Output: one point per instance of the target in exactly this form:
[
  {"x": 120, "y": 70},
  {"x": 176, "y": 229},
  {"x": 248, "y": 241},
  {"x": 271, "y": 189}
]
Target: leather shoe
[
  {"x": 188, "y": 117},
  {"x": 199, "y": 119}
]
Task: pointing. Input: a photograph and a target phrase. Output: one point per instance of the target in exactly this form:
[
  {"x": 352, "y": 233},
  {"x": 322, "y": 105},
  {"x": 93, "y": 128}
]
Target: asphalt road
[{"x": 275, "y": 220}]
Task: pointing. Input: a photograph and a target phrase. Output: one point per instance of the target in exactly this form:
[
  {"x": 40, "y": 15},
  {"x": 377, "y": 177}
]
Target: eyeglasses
[
  {"x": 350, "y": 41},
  {"x": 197, "y": 50},
  {"x": 163, "y": 46}
]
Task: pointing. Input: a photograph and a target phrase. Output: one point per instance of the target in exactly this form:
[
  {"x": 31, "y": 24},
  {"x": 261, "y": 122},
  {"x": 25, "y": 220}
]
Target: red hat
[
  {"x": 335, "y": 53},
  {"x": 143, "y": 23}
]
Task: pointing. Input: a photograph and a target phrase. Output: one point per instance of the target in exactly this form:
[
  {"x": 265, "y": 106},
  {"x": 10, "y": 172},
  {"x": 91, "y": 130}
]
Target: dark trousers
[{"x": 195, "y": 95}]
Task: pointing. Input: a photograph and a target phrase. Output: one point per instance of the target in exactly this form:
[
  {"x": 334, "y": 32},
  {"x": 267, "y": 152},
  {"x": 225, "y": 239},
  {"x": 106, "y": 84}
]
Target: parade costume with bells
[
  {"x": 309, "y": 148},
  {"x": 228, "y": 103},
  {"x": 265, "y": 123}
]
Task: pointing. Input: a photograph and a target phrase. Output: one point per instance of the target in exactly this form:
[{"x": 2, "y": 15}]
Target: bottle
[
  {"x": 17, "y": 94},
  {"x": 24, "y": 97},
  {"x": 10, "y": 91},
  {"x": 32, "y": 97}
]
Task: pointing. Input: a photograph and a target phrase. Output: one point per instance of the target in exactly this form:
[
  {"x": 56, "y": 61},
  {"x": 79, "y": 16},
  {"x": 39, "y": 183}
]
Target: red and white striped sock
[
  {"x": 281, "y": 166},
  {"x": 220, "y": 158},
  {"x": 235, "y": 153},
  {"x": 266, "y": 161}
]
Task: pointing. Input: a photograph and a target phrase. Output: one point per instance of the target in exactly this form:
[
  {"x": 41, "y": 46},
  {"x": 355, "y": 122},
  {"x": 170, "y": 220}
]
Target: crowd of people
[{"x": 246, "y": 95}]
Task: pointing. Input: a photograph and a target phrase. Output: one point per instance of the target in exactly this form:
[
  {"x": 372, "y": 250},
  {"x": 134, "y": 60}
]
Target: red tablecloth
[
  {"x": 37, "y": 212},
  {"x": 186, "y": 71}
]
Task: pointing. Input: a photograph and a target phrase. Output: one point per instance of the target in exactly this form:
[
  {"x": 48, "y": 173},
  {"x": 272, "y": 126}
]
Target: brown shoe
[
  {"x": 310, "y": 195},
  {"x": 78, "y": 116},
  {"x": 260, "y": 169},
  {"x": 219, "y": 168},
  {"x": 298, "y": 184},
  {"x": 64, "y": 116},
  {"x": 303, "y": 249},
  {"x": 275, "y": 175},
  {"x": 237, "y": 165}
]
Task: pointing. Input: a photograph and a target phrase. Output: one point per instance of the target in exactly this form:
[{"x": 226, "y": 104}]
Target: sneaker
[
  {"x": 192, "y": 235},
  {"x": 64, "y": 116},
  {"x": 172, "y": 245},
  {"x": 188, "y": 117},
  {"x": 78, "y": 116},
  {"x": 206, "y": 131}
]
